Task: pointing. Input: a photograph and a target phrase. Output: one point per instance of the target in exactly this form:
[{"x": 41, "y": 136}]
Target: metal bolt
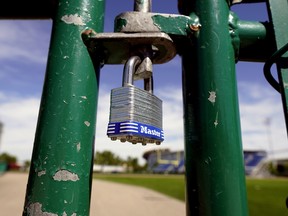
[
  {"x": 195, "y": 27},
  {"x": 129, "y": 138}
]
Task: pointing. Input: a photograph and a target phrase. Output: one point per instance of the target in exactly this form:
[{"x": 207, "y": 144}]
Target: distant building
[
  {"x": 252, "y": 159},
  {"x": 166, "y": 161}
]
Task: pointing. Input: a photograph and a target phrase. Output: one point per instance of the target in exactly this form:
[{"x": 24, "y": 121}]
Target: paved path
[{"x": 112, "y": 199}]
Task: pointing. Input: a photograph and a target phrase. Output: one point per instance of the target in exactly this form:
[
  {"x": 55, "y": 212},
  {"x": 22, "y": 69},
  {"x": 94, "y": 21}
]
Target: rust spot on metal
[
  {"x": 195, "y": 27},
  {"x": 88, "y": 32}
]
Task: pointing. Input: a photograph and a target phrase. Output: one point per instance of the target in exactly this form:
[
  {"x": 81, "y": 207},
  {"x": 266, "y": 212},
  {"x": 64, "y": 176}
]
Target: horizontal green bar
[
  {"x": 255, "y": 41},
  {"x": 246, "y": 1}
]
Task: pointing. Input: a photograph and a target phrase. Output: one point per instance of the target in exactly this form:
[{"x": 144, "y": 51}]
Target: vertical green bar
[
  {"x": 61, "y": 167},
  {"x": 215, "y": 177},
  {"x": 278, "y": 15}
]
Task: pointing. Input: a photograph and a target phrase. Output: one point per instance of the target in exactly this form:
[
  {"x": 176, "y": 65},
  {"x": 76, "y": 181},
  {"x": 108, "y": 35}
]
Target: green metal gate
[{"x": 210, "y": 40}]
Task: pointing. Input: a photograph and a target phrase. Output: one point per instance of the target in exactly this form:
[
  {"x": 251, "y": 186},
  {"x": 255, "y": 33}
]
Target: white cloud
[
  {"x": 257, "y": 104},
  {"x": 19, "y": 116},
  {"x": 24, "y": 40}
]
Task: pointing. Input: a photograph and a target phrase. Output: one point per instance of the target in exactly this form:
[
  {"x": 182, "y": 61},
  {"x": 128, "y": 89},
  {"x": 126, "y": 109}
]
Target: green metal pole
[
  {"x": 215, "y": 177},
  {"x": 61, "y": 167},
  {"x": 278, "y": 16}
]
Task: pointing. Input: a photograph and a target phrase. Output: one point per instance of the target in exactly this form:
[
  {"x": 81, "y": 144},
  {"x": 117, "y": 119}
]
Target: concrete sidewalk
[{"x": 112, "y": 199}]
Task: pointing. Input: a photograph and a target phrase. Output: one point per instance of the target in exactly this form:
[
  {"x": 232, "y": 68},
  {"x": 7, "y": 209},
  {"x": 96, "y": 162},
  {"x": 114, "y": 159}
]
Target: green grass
[{"x": 266, "y": 197}]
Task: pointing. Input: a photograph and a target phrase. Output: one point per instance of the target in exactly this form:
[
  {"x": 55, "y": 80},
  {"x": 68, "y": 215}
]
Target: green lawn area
[{"x": 266, "y": 197}]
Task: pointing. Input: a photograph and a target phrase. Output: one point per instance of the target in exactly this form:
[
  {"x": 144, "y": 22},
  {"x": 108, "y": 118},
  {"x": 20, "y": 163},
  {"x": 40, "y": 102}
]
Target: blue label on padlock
[{"x": 135, "y": 128}]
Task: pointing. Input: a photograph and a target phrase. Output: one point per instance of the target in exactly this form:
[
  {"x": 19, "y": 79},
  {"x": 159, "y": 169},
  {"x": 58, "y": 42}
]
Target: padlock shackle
[
  {"x": 148, "y": 84},
  {"x": 143, "y": 5},
  {"x": 129, "y": 70}
]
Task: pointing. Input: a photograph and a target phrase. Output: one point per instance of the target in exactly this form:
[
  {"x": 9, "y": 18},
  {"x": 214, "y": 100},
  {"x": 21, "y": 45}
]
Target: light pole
[
  {"x": 269, "y": 137},
  {"x": 1, "y": 131}
]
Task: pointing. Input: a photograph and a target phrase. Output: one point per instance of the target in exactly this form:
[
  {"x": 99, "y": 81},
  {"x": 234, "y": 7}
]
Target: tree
[
  {"x": 132, "y": 165},
  {"x": 107, "y": 158},
  {"x": 27, "y": 164},
  {"x": 8, "y": 158}
]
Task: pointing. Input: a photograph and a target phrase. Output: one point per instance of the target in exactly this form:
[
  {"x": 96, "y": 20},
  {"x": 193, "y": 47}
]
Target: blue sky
[{"x": 23, "y": 56}]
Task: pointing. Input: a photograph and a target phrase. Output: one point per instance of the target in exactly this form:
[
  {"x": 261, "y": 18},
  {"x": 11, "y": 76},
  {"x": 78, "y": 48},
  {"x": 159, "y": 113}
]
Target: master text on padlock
[{"x": 146, "y": 130}]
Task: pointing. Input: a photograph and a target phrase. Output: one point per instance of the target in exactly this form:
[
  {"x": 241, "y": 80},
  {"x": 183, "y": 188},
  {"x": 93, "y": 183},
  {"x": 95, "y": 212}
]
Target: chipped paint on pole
[
  {"x": 59, "y": 181},
  {"x": 215, "y": 177}
]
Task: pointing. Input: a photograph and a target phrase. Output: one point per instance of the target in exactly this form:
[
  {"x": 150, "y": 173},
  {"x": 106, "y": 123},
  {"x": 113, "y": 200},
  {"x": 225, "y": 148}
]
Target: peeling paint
[
  {"x": 78, "y": 147},
  {"x": 216, "y": 120},
  {"x": 120, "y": 23},
  {"x": 163, "y": 23},
  {"x": 36, "y": 209},
  {"x": 87, "y": 123},
  {"x": 84, "y": 97},
  {"x": 208, "y": 160},
  {"x": 40, "y": 173},
  {"x": 65, "y": 214},
  {"x": 212, "y": 97},
  {"x": 65, "y": 175},
  {"x": 73, "y": 19}
]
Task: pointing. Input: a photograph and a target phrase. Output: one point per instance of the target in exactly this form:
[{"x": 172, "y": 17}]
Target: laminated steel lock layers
[{"x": 135, "y": 114}]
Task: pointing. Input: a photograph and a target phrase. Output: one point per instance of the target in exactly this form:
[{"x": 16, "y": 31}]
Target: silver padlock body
[
  {"x": 135, "y": 104},
  {"x": 135, "y": 115}
]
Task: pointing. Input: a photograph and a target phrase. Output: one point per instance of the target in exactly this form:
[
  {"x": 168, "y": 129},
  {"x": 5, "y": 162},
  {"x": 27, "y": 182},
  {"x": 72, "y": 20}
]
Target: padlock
[{"x": 135, "y": 114}]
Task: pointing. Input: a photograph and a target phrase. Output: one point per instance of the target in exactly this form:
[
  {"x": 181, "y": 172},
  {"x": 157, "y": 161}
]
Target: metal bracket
[
  {"x": 179, "y": 27},
  {"x": 281, "y": 61},
  {"x": 118, "y": 47},
  {"x": 171, "y": 24},
  {"x": 245, "y": 1}
]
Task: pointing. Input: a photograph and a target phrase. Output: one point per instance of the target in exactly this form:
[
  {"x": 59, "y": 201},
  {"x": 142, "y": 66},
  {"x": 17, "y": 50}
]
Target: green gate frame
[{"x": 62, "y": 157}]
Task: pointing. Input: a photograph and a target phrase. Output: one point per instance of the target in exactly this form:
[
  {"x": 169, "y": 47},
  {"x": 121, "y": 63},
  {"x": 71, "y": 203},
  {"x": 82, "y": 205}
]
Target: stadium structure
[
  {"x": 252, "y": 159},
  {"x": 165, "y": 161}
]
